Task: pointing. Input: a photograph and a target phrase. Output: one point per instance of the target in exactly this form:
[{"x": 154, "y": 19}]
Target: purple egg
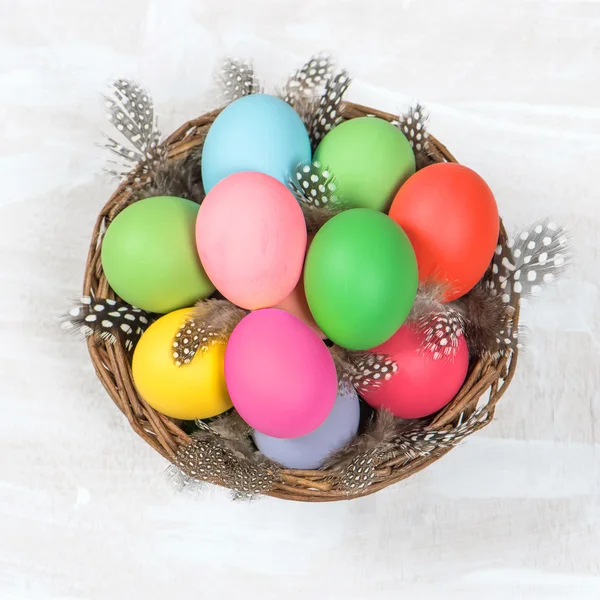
[{"x": 310, "y": 451}]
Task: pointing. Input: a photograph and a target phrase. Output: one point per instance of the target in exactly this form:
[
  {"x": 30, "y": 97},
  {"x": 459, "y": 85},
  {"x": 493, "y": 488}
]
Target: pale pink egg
[
  {"x": 280, "y": 376},
  {"x": 251, "y": 239},
  {"x": 422, "y": 384}
]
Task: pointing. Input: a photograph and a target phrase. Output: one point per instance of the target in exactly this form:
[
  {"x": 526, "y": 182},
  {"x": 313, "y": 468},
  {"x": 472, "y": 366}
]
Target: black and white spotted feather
[
  {"x": 442, "y": 333},
  {"x": 413, "y": 124},
  {"x": 109, "y": 320},
  {"x": 355, "y": 464},
  {"x": 540, "y": 254},
  {"x": 330, "y": 109},
  {"x": 366, "y": 371},
  {"x": 130, "y": 110},
  {"x": 315, "y": 188},
  {"x": 214, "y": 459},
  {"x": 413, "y": 442},
  {"x": 211, "y": 321},
  {"x": 236, "y": 79},
  {"x": 441, "y": 324},
  {"x": 304, "y": 86},
  {"x": 308, "y": 79}
]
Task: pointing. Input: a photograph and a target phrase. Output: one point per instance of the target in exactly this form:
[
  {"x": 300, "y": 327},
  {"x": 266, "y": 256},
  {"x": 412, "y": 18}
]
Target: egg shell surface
[
  {"x": 193, "y": 391},
  {"x": 280, "y": 375}
]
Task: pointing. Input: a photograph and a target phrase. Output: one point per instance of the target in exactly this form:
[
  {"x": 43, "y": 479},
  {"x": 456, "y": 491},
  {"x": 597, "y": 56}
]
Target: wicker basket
[{"x": 112, "y": 365}]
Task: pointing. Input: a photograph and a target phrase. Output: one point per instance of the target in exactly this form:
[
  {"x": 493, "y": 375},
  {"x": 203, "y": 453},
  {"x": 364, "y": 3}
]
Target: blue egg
[
  {"x": 310, "y": 451},
  {"x": 259, "y": 133}
]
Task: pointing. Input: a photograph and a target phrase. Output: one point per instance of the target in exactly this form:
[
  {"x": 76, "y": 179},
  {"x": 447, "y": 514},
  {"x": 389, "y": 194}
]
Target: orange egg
[
  {"x": 451, "y": 218},
  {"x": 297, "y": 305}
]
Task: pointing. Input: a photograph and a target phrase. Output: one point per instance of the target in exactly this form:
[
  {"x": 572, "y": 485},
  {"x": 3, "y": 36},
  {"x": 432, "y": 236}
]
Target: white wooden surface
[{"x": 514, "y": 91}]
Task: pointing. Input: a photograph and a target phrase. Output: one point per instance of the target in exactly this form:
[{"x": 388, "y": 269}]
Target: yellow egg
[{"x": 193, "y": 391}]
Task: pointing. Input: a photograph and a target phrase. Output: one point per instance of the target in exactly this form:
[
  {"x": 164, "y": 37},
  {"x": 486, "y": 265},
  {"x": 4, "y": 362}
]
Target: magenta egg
[
  {"x": 280, "y": 375},
  {"x": 422, "y": 384},
  {"x": 251, "y": 239}
]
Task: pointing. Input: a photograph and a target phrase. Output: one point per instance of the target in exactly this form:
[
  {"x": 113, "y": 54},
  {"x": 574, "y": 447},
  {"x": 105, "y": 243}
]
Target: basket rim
[{"x": 112, "y": 365}]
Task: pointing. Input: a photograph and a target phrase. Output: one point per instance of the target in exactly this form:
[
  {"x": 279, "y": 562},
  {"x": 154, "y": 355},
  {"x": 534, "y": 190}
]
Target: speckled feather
[
  {"x": 211, "y": 321},
  {"x": 530, "y": 260},
  {"x": 364, "y": 370},
  {"x": 237, "y": 79},
  {"x": 315, "y": 188},
  {"x": 108, "y": 320},
  {"x": 441, "y": 324},
  {"x": 130, "y": 109},
  {"x": 487, "y": 321},
  {"x": 211, "y": 458},
  {"x": 330, "y": 110},
  {"x": 413, "y": 442},
  {"x": 413, "y": 124},
  {"x": 306, "y": 81},
  {"x": 442, "y": 333},
  {"x": 540, "y": 254},
  {"x": 355, "y": 464}
]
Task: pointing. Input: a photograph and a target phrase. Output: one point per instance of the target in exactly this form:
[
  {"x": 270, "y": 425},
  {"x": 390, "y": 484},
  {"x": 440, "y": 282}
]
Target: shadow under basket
[{"x": 487, "y": 381}]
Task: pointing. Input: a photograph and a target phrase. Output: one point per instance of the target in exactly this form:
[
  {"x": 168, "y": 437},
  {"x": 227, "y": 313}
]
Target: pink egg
[
  {"x": 280, "y": 375},
  {"x": 251, "y": 238},
  {"x": 421, "y": 385}
]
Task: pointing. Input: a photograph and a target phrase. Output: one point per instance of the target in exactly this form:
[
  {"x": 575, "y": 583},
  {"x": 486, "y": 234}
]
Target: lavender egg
[{"x": 310, "y": 451}]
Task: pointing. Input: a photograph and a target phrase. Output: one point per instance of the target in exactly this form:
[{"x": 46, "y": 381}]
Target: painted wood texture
[{"x": 85, "y": 512}]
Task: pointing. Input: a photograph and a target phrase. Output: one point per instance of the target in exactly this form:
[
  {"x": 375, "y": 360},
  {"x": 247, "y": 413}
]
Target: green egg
[
  {"x": 149, "y": 255},
  {"x": 360, "y": 278},
  {"x": 370, "y": 159}
]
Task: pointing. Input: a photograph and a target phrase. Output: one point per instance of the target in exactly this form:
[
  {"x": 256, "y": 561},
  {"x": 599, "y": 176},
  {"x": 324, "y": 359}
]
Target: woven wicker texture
[{"x": 487, "y": 381}]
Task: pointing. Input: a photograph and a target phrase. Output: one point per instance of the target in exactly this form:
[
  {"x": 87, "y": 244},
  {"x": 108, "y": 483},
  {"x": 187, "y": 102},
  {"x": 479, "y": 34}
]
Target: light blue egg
[
  {"x": 310, "y": 451},
  {"x": 259, "y": 133}
]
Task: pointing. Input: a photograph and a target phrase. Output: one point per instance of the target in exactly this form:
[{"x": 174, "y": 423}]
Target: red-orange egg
[{"x": 451, "y": 218}]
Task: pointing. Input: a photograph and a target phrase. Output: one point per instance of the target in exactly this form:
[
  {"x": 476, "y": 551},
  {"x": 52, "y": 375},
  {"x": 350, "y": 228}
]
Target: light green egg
[
  {"x": 149, "y": 255},
  {"x": 370, "y": 159}
]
